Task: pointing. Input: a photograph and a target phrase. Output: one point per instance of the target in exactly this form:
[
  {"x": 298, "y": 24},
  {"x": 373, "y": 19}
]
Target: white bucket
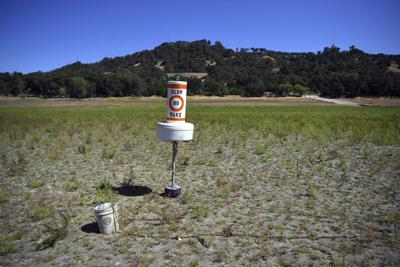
[{"x": 107, "y": 218}]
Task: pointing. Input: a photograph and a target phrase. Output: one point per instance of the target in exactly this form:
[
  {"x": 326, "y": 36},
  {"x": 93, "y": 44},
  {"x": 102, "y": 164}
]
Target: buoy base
[
  {"x": 173, "y": 191},
  {"x": 169, "y": 131}
]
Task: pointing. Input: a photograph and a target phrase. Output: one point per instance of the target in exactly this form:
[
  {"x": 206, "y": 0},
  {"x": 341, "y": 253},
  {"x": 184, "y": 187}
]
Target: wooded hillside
[{"x": 248, "y": 72}]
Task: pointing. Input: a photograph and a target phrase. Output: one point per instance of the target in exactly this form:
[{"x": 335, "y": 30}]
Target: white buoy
[{"x": 174, "y": 128}]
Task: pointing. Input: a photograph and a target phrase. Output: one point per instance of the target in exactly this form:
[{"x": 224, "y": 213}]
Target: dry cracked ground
[{"x": 247, "y": 200}]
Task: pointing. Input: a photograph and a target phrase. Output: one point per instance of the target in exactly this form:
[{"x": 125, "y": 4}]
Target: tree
[
  {"x": 212, "y": 87},
  {"x": 254, "y": 88},
  {"x": 300, "y": 90},
  {"x": 195, "y": 86},
  {"x": 285, "y": 88},
  {"x": 79, "y": 87},
  {"x": 5, "y": 83},
  {"x": 18, "y": 84}
]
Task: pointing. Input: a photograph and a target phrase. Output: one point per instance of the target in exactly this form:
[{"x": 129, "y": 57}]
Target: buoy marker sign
[
  {"x": 175, "y": 128},
  {"x": 176, "y": 101}
]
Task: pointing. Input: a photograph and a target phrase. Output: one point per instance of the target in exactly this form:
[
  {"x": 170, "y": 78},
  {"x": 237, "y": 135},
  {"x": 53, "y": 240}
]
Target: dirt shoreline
[{"x": 192, "y": 100}]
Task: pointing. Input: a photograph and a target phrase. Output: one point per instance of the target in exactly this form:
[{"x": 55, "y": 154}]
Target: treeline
[{"x": 247, "y": 72}]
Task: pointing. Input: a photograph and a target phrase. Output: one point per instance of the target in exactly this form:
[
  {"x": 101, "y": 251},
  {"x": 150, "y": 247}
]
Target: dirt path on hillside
[{"x": 334, "y": 101}]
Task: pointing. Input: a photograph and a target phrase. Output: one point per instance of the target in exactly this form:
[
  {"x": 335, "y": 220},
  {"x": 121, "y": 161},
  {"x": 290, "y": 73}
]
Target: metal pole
[{"x": 174, "y": 152}]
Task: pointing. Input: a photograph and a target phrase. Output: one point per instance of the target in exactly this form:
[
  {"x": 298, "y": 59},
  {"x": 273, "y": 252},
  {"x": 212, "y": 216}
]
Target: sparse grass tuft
[{"x": 312, "y": 192}]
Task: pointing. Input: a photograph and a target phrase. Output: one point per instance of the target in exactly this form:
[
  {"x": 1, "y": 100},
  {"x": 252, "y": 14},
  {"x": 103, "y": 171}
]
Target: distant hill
[{"x": 212, "y": 69}]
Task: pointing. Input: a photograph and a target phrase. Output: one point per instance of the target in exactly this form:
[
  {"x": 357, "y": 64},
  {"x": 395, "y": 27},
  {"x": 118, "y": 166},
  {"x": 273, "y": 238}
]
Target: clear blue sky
[{"x": 46, "y": 34}]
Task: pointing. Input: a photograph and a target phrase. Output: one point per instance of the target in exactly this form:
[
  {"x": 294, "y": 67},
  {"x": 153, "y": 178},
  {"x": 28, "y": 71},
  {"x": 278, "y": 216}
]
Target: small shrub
[
  {"x": 55, "y": 234},
  {"x": 89, "y": 140},
  {"x": 18, "y": 165},
  {"x": 223, "y": 192},
  {"x": 173, "y": 227},
  {"x": 312, "y": 192},
  {"x": 199, "y": 211},
  {"x": 82, "y": 149},
  {"x": 220, "y": 256},
  {"x": 172, "y": 216},
  {"x": 108, "y": 153},
  {"x": 104, "y": 185},
  {"x": 73, "y": 185},
  {"x": 219, "y": 150},
  {"x": 128, "y": 146},
  {"x": 194, "y": 263},
  {"x": 4, "y": 197},
  {"x": 227, "y": 231},
  {"x": 35, "y": 183},
  {"x": 393, "y": 218},
  {"x": 129, "y": 181},
  {"x": 7, "y": 245},
  {"x": 18, "y": 234},
  {"x": 124, "y": 249},
  {"x": 221, "y": 183},
  {"x": 208, "y": 161},
  {"x": 259, "y": 150},
  {"x": 390, "y": 217},
  {"x": 264, "y": 253}
]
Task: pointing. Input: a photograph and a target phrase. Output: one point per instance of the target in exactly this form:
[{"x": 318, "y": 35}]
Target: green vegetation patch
[
  {"x": 73, "y": 185},
  {"x": 379, "y": 125},
  {"x": 105, "y": 192},
  {"x": 199, "y": 211},
  {"x": 4, "y": 197},
  {"x": 42, "y": 212},
  {"x": 35, "y": 183},
  {"x": 55, "y": 234},
  {"x": 7, "y": 242}
]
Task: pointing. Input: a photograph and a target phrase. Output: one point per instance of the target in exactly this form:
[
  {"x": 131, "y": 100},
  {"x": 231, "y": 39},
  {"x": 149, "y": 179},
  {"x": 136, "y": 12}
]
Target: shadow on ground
[
  {"x": 91, "y": 228},
  {"x": 133, "y": 190}
]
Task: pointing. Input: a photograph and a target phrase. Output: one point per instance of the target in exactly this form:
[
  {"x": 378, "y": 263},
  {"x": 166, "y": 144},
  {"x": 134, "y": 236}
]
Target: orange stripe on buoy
[
  {"x": 175, "y": 119},
  {"x": 177, "y": 86}
]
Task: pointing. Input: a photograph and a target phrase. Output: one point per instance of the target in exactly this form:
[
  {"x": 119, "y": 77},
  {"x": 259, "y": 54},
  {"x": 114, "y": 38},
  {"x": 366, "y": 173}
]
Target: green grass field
[
  {"x": 282, "y": 185},
  {"x": 378, "y": 125}
]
